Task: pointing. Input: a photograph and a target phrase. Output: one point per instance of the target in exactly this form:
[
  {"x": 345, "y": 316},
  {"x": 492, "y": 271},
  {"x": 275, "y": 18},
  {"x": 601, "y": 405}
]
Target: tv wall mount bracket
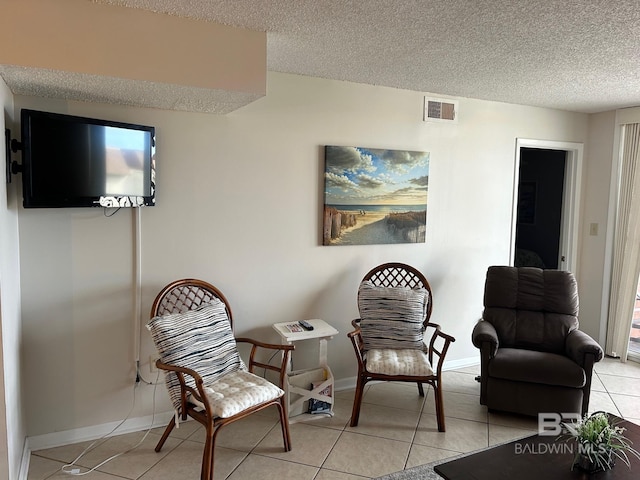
[{"x": 12, "y": 146}]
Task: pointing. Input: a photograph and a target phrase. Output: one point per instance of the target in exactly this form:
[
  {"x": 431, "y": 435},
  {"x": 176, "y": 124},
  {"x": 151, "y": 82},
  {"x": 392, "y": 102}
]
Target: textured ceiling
[
  {"x": 46, "y": 83},
  {"x": 568, "y": 54}
]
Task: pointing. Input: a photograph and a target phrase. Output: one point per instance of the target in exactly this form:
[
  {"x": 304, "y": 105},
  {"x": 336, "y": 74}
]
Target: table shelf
[{"x": 304, "y": 386}]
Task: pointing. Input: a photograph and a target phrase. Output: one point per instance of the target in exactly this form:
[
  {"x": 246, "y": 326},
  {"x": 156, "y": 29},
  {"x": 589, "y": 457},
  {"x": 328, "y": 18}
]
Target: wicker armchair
[
  {"x": 191, "y": 324},
  {"x": 392, "y": 356}
]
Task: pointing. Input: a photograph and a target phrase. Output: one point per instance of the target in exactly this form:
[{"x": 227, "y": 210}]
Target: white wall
[
  {"x": 600, "y": 206},
  {"x": 239, "y": 204},
  {"x": 595, "y": 270},
  {"x": 12, "y": 425}
]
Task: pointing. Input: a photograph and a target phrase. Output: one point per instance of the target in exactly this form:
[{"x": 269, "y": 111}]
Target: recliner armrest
[
  {"x": 485, "y": 332},
  {"x": 579, "y": 344}
]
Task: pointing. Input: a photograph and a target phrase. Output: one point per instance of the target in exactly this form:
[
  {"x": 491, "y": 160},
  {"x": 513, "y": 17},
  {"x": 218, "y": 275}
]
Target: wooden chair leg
[
  {"x": 165, "y": 435},
  {"x": 357, "y": 400},
  {"x": 420, "y": 389},
  {"x": 284, "y": 424},
  {"x": 207, "y": 455},
  {"x": 439, "y": 406}
]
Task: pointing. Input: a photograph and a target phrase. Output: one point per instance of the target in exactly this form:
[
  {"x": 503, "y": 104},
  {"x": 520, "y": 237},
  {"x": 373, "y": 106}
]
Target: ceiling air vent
[{"x": 440, "y": 110}]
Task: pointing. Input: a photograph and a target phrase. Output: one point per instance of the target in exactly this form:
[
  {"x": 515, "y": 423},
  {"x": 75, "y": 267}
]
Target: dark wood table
[{"x": 537, "y": 458}]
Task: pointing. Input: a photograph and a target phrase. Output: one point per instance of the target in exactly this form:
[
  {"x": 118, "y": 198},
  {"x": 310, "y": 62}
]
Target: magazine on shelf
[
  {"x": 320, "y": 406},
  {"x": 294, "y": 327}
]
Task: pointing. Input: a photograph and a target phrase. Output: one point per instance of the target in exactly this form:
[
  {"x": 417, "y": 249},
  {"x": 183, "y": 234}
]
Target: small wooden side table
[{"x": 310, "y": 386}]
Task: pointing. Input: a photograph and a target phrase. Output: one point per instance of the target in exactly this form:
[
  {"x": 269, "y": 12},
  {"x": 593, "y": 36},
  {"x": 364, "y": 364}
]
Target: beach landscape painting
[{"x": 374, "y": 196}]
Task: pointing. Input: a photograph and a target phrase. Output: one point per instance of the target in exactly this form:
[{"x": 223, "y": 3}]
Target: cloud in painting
[
  {"x": 363, "y": 176},
  {"x": 348, "y": 159},
  {"x": 401, "y": 161},
  {"x": 367, "y": 181},
  {"x": 339, "y": 181},
  {"x": 421, "y": 181}
]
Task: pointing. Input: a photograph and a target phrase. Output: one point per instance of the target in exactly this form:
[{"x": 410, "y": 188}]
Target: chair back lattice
[
  {"x": 187, "y": 294},
  {"x": 400, "y": 275}
]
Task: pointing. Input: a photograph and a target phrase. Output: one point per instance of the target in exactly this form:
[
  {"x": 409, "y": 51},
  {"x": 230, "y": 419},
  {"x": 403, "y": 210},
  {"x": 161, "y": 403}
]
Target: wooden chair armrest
[
  {"x": 197, "y": 392},
  {"x": 174, "y": 368},
  {"x": 358, "y": 345},
  {"x": 438, "y": 350},
  {"x": 356, "y": 323},
  {"x": 281, "y": 369},
  {"x": 440, "y": 332}
]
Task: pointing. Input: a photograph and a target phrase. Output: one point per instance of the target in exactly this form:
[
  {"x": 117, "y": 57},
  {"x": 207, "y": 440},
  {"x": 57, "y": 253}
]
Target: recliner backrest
[{"x": 531, "y": 308}]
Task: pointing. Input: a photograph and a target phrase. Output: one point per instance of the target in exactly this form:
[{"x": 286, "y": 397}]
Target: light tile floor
[{"x": 397, "y": 430}]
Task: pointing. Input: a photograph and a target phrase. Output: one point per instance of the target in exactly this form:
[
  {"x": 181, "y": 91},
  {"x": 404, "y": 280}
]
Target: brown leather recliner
[{"x": 533, "y": 357}]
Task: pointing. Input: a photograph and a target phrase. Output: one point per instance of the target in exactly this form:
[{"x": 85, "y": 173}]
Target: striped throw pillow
[
  {"x": 392, "y": 317},
  {"x": 199, "y": 339}
]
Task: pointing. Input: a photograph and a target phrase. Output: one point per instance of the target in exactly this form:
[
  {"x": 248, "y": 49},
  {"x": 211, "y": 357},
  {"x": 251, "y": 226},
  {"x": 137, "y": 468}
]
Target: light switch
[{"x": 593, "y": 229}]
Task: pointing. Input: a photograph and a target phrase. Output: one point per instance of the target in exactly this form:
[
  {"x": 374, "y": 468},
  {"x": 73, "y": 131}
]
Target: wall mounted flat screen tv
[{"x": 73, "y": 161}]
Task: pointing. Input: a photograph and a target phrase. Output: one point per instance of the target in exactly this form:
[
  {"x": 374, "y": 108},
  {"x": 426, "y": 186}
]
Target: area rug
[
  {"x": 421, "y": 472},
  {"x": 426, "y": 472}
]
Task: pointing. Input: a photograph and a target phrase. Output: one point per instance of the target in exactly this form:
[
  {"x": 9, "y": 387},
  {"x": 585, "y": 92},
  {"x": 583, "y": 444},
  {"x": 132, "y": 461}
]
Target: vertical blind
[{"x": 626, "y": 249}]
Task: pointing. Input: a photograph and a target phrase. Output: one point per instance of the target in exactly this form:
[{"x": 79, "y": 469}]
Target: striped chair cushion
[
  {"x": 199, "y": 339},
  {"x": 392, "y": 317},
  {"x": 409, "y": 362}
]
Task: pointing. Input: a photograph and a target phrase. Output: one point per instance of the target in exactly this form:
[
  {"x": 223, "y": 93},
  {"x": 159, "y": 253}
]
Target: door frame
[{"x": 570, "y": 221}]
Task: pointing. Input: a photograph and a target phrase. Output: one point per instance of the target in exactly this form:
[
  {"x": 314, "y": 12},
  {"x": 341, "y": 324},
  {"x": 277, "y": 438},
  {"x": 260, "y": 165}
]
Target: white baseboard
[
  {"x": 23, "y": 473},
  {"x": 461, "y": 363},
  {"x": 67, "y": 437},
  {"x": 345, "y": 384}
]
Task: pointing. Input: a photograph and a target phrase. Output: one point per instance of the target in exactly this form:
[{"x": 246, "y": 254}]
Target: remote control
[{"x": 306, "y": 325}]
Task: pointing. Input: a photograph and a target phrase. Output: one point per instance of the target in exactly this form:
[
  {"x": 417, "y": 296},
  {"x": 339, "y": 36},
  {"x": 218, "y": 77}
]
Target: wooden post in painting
[
  {"x": 332, "y": 225},
  {"x": 326, "y": 226},
  {"x": 336, "y": 223}
]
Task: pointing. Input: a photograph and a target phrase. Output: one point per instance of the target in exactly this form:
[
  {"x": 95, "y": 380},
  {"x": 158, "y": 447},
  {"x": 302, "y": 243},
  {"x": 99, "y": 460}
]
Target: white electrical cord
[
  {"x": 149, "y": 382},
  {"x": 72, "y": 468},
  {"x": 96, "y": 443},
  {"x": 137, "y": 281}
]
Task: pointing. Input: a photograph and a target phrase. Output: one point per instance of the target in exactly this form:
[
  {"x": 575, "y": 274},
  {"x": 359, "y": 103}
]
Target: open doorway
[
  {"x": 539, "y": 212},
  {"x": 546, "y": 204}
]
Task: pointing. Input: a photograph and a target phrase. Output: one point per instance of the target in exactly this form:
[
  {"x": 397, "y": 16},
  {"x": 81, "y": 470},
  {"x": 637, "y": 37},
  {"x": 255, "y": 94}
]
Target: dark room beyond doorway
[{"x": 540, "y": 199}]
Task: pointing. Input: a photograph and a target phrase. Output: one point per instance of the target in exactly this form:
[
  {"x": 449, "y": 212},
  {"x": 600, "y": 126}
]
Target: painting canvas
[{"x": 374, "y": 196}]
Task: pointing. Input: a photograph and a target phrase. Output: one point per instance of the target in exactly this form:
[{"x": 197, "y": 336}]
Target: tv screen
[{"x": 73, "y": 161}]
